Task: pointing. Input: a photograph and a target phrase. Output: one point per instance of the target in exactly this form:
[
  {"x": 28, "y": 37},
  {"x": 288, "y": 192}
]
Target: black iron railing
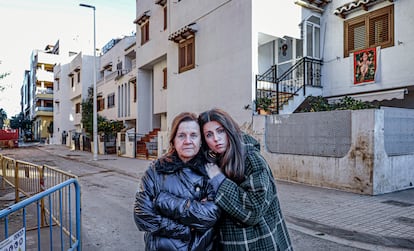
[{"x": 279, "y": 89}]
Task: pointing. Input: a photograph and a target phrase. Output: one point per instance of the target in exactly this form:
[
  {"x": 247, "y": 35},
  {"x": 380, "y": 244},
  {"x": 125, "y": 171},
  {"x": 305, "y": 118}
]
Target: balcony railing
[
  {"x": 44, "y": 90},
  {"x": 43, "y": 109}
]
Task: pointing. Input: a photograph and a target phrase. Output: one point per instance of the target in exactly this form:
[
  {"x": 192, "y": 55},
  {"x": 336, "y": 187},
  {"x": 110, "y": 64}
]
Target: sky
[{"x": 27, "y": 25}]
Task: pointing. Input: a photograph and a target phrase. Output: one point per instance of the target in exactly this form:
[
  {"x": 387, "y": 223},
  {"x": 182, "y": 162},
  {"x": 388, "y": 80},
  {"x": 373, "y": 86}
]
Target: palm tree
[{"x": 3, "y": 117}]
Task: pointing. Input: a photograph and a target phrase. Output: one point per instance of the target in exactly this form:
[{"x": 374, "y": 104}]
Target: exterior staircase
[
  {"x": 289, "y": 89},
  {"x": 147, "y": 145}
]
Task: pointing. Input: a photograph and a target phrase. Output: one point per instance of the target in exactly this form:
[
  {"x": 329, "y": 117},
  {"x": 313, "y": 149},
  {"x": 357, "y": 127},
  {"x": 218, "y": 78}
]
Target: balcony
[
  {"x": 43, "y": 111},
  {"x": 44, "y": 93},
  {"x": 44, "y": 76}
]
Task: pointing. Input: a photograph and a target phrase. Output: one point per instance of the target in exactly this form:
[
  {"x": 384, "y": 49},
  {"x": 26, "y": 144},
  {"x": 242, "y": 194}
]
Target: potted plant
[{"x": 263, "y": 104}]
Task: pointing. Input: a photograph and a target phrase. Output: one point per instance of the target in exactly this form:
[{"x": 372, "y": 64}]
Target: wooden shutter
[
  {"x": 357, "y": 36},
  {"x": 164, "y": 83},
  {"x": 378, "y": 30}
]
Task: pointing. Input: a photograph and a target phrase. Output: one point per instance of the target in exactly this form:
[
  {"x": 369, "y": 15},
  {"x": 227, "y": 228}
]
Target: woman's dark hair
[{"x": 231, "y": 161}]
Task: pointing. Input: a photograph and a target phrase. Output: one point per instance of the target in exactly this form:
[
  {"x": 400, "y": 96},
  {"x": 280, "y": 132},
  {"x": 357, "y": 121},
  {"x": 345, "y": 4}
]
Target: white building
[
  {"x": 196, "y": 55},
  {"x": 117, "y": 93},
  {"x": 381, "y": 28},
  {"x": 72, "y": 78}
]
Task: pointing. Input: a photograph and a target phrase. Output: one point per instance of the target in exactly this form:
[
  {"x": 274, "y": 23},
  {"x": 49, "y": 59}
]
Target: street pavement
[{"x": 381, "y": 222}]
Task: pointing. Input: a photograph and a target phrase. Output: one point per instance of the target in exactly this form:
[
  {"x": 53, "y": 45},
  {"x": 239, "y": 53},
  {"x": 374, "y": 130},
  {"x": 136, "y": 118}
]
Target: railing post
[
  {"x": 304, "y": 75},
  {"x": 42, "y": 201},
  {"x": 255, "y": 99},
  {"x": 275, "y": 80},
  {"x": 3, "y": 170},
  {"x": 16, "y": 181}
]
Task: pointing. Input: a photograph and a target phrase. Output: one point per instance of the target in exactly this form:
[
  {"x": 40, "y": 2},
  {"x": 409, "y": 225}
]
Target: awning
[
  {"x": 144, "y": 17},
  {"x": 343, "y": 10},
  {"x": 184, "y": 33},
  {"x": 375, "y": 96},
  {"x": 315, "y": 5}
]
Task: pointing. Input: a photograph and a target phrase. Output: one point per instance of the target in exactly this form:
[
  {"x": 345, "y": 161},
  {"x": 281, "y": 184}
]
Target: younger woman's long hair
[{"x": 232, "y": 160}]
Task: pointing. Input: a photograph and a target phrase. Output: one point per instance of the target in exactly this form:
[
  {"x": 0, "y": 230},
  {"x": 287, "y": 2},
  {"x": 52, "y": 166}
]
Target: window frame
[
  {"x": 183, "y": 54},
  {"x": 312, "y": 42},
  {"x": 100, "y": 103},
  {"x": 165, "y": 16},
  {"x": 111, "y": 100},
  {"x": 145, "y": 32},
  {"x": 164, "y": 78},
  {"x": 366, "y": 20},
  {"x": 78, "y": 108}
]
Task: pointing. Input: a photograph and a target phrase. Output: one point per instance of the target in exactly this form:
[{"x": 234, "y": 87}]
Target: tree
[
  {"x": 3, "y": 117},
  {"x": 20, "y": 121},
  {"x": 104, "y": 125},
  {"x": 3, "y": 75}
]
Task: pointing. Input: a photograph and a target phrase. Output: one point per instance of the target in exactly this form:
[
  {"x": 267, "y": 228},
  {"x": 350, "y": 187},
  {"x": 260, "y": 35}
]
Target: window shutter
[
  {"x": 189, "y": 54},
  {"x": 182, "y": 56},
  {"x": 357, "y": 36},
  {"x": 164, "y": 84},
  {"x": 378, "y": 30}
]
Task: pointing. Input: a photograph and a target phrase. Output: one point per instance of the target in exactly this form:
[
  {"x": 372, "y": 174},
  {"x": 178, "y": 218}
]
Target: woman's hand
[{"x": 212, "y": 170}]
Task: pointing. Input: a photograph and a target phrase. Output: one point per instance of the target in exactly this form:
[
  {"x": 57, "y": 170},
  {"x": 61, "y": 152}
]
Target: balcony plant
[{"x": 263, "y": 104}]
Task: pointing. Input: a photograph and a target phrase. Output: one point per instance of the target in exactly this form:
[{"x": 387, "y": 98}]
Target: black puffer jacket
[{"x": 175, "y": 206}]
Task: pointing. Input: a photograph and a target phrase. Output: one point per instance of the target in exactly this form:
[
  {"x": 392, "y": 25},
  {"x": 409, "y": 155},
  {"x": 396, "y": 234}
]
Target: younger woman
[{"x": 245, "y": 188}]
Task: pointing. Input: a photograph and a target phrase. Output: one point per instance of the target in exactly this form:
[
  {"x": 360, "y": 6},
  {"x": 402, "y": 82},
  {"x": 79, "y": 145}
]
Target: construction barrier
[
  {"x": 29, "y": 179},
  {"x": 64, "y": 230}
]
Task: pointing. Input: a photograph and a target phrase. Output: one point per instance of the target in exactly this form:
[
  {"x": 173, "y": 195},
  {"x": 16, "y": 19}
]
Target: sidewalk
[{"x": 382, "y": 222}]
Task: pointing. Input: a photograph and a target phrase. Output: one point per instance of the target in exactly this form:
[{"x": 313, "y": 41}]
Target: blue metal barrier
[{"x": 62, "y": 221}]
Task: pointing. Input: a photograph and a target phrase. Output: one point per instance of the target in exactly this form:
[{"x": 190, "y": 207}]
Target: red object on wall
[{"x": 365, "y": 65}]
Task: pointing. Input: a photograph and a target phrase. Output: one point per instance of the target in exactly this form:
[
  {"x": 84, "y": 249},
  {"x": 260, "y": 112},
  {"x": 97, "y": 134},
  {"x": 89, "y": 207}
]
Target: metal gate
[{"x": 63, "y": 231}]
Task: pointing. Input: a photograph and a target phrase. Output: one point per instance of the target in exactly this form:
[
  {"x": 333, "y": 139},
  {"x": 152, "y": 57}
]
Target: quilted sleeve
[{"x": 147, "y": 217}]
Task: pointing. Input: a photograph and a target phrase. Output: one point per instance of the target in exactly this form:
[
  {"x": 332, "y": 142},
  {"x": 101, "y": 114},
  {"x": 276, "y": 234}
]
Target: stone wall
[{"x": 343, "y": 150}]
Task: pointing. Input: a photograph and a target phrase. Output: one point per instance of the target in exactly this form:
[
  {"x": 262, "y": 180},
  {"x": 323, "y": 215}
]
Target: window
[
  {"x": 72, "y": 81},
  {"x": 134, "y": 83},
  {"x": 164, "y": 78},
  {"x": 186, "y": 55},
  {"x": 77, "y": 107},
  {"x": 145, "y": 32},
  {"x": 78, "y": 76},
  {"x": 111, "y": 100},
  {"x": 371, "y": 30},
  {"x": 165, "y": 17},
  {"x": 100, "y": 102},
  {"x": 311, "y": 32}
]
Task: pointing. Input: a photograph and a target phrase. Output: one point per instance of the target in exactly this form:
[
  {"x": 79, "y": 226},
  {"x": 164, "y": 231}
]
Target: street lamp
[{"x": 95, "y": 112}]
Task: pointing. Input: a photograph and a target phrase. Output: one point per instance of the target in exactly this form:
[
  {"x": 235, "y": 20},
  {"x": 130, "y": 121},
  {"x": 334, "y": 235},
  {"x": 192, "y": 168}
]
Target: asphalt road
[{"x": 107, "y": 202}]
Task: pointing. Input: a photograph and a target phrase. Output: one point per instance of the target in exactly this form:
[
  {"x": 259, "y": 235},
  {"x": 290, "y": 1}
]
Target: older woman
[
  {"x": 174, "y": 206},
  {"x": 245, "y": 187}
]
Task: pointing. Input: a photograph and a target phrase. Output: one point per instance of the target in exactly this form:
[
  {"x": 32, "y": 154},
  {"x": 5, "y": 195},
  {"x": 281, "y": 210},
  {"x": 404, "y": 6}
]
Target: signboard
[
  {"x": 15, "y": 242},
  {"x": 365, "y": 65}
]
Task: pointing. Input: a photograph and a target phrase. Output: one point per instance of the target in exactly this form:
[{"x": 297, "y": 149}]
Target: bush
[{"x": 319, "y": 104}]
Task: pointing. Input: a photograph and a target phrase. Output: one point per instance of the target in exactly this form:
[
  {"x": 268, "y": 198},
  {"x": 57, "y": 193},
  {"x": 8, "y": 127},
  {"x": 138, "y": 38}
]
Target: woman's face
[
  {"x": 216, "y": 137},
  {"x": 187, "y": 141}
]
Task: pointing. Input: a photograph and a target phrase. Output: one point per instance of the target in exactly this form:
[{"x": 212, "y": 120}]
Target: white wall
[
  {"x": 365, "y": 169},
  {"x": 394, "y": 66},
  {"x": 223, "y": 73},
  {"x": 160, "y": 94}
]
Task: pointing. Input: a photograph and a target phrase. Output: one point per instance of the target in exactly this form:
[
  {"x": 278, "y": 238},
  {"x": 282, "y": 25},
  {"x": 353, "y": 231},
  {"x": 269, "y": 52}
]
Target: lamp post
[{"x": 95, "y": 112}]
